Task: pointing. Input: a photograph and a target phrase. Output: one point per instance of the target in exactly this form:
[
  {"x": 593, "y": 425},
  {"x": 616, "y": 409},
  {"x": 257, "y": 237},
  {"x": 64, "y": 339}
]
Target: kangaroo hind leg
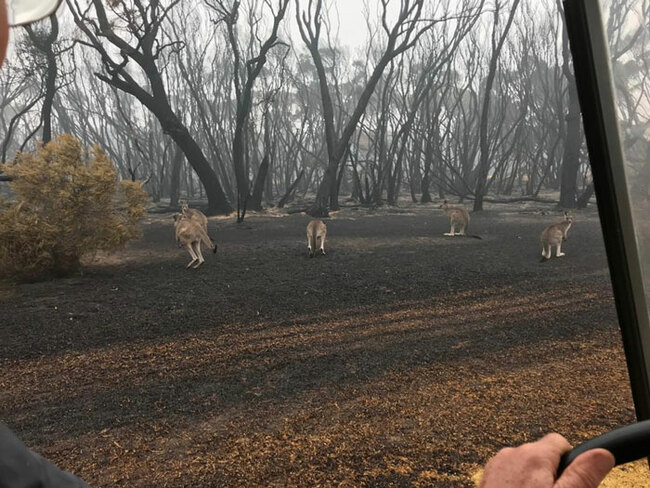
[
  {"x": 199, "y": 254},
  {"x": 189, "y": 248},
  {"x": 322, "y": 244}
]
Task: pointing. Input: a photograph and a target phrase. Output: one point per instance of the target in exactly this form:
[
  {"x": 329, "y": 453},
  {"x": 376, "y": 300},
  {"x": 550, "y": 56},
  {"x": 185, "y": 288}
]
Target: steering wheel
[{"x": 627, "y": 444}]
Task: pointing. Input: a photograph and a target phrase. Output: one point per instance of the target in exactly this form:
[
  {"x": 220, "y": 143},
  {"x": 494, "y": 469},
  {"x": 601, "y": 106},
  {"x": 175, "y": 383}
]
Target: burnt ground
[{"x": 402, "y": 358}]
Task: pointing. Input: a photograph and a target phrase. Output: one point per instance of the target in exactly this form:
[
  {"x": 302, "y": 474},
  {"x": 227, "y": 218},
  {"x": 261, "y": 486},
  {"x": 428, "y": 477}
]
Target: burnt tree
[
  {"x": 484, "y": 144},
  {"x": 245, "y": 73},
  {"x": 45, "y": 42},
  {"x": 142, "y": 43},
  {"x": 409, "y": 26}
]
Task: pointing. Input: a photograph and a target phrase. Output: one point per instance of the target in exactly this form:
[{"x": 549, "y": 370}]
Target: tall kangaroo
[
  {"x": 190, "y": 234},
  {"x": 553, "y": 235},
  {"x": 197, "y": 216},
  {"x": 457, "y": 217},
  {"x": 316, "y": 230}
]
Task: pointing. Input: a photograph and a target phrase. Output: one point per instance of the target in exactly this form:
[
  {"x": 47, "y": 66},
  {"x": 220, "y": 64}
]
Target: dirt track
[{"x": 402, "y": 358}]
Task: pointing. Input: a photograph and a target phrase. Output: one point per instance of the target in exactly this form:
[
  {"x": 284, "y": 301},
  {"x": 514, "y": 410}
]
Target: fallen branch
[
  {"x": 162, "y": 210},
  {"x": 515, "y": 200},
  {"x": 473, "y": 236},
  {"x": 297, "y": 210},
  {"x": 342, "y": 207}
]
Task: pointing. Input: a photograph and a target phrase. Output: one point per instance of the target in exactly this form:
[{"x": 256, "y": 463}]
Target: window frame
[{"x": 593, "y": 74}]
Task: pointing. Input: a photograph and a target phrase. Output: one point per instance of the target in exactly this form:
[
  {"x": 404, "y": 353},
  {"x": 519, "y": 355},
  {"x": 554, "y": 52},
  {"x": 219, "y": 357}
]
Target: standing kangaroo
[
  {"x": 190, "y": 233},
  {"x": 316, "y": 230},
  {"x": 457, "y": 217},
  {"x": 196, "y": 216},
  {"x": 553, "y": 235}
]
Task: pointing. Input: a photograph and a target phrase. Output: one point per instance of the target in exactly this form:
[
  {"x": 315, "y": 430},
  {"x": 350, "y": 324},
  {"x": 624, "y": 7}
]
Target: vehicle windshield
[
  {"x": 308, "y": 242},
  {"x": 629, "y": 47}
]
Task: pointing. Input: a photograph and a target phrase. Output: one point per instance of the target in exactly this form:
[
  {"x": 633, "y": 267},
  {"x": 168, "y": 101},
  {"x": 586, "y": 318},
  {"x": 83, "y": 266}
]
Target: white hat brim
[{"x": 25, "y": 11}]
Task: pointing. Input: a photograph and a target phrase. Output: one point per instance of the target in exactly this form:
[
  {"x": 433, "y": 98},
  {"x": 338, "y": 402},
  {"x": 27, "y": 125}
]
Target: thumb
[{"x": 588, "y": 470}]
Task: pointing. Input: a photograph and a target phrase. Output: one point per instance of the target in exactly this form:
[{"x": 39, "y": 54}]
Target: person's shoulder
[{"x": 21, "y": 467}]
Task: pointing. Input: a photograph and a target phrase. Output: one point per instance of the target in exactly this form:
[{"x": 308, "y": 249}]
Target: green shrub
[{"x": 69, "y": 205}]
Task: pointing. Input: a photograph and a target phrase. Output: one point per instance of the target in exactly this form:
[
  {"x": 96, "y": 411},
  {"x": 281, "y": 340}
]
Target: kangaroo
[
  {"x": 553, "y": 235},
  {"x": 190, "y": 234},
  {"x": 197, "y": 216},
  {"x": 316, "y": 230},
  {"x": 457, "y": 217}
]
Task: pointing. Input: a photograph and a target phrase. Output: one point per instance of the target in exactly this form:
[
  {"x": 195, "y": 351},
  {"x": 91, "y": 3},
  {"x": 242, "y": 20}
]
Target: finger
[
  {"x": 548, "y": 450},
  {"x": 588, "y": 470},
  {"x": 555, "y": 443}
]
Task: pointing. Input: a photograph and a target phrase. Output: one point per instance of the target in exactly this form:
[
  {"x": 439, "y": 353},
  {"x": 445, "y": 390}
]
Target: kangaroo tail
[
  {"x": 213, "y": 244},
  {"x": 475, "y": 236},
  {"x": 205, "y": 238},
  {"x": 313, "y": 240}
]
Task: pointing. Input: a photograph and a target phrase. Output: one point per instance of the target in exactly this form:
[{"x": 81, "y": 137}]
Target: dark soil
[{"x": 401, "y": 358}]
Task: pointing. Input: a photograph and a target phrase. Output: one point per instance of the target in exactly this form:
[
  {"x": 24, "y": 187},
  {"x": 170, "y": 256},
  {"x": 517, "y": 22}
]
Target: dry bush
[{"x": 71, "y": 205}]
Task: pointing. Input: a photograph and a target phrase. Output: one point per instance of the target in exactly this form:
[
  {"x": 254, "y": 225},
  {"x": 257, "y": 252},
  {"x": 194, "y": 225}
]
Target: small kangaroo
[
  {"x": 553, "y": 235},
  {"x": 457, "y": 217},
  {"x": 190, "y": 233},
  {"x": 195, "y": 214},
  {"x": 316, "y": 230}
]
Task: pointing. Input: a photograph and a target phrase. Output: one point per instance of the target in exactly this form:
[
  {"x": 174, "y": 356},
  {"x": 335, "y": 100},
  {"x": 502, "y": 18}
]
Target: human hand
[{"x": 534, "y": 465}]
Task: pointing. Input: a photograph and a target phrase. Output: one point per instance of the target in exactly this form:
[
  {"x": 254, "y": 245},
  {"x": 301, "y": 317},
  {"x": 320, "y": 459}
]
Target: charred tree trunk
[
  {"x": 263, "y": 170},
  {"x": 268, "y": 185},
  {"x": 217, "y": 201},
  {"x": 172, "y": 125},
  {"x": 426, "y": 196},
  {"x": 45, "y": 44},
  {"x": 256, "y": 198},
  {"x": 428, "y": 167},
  {"x": 336, "y": 188},
  {"x": 484, "y": 163},
  {"x": 175, "y": 183},
  {"x": 571, "y": 156},
  {"x": 415, "y": 176},
  {"x": 583, "y": 201},
  {"x": 357, "y": 193}
]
